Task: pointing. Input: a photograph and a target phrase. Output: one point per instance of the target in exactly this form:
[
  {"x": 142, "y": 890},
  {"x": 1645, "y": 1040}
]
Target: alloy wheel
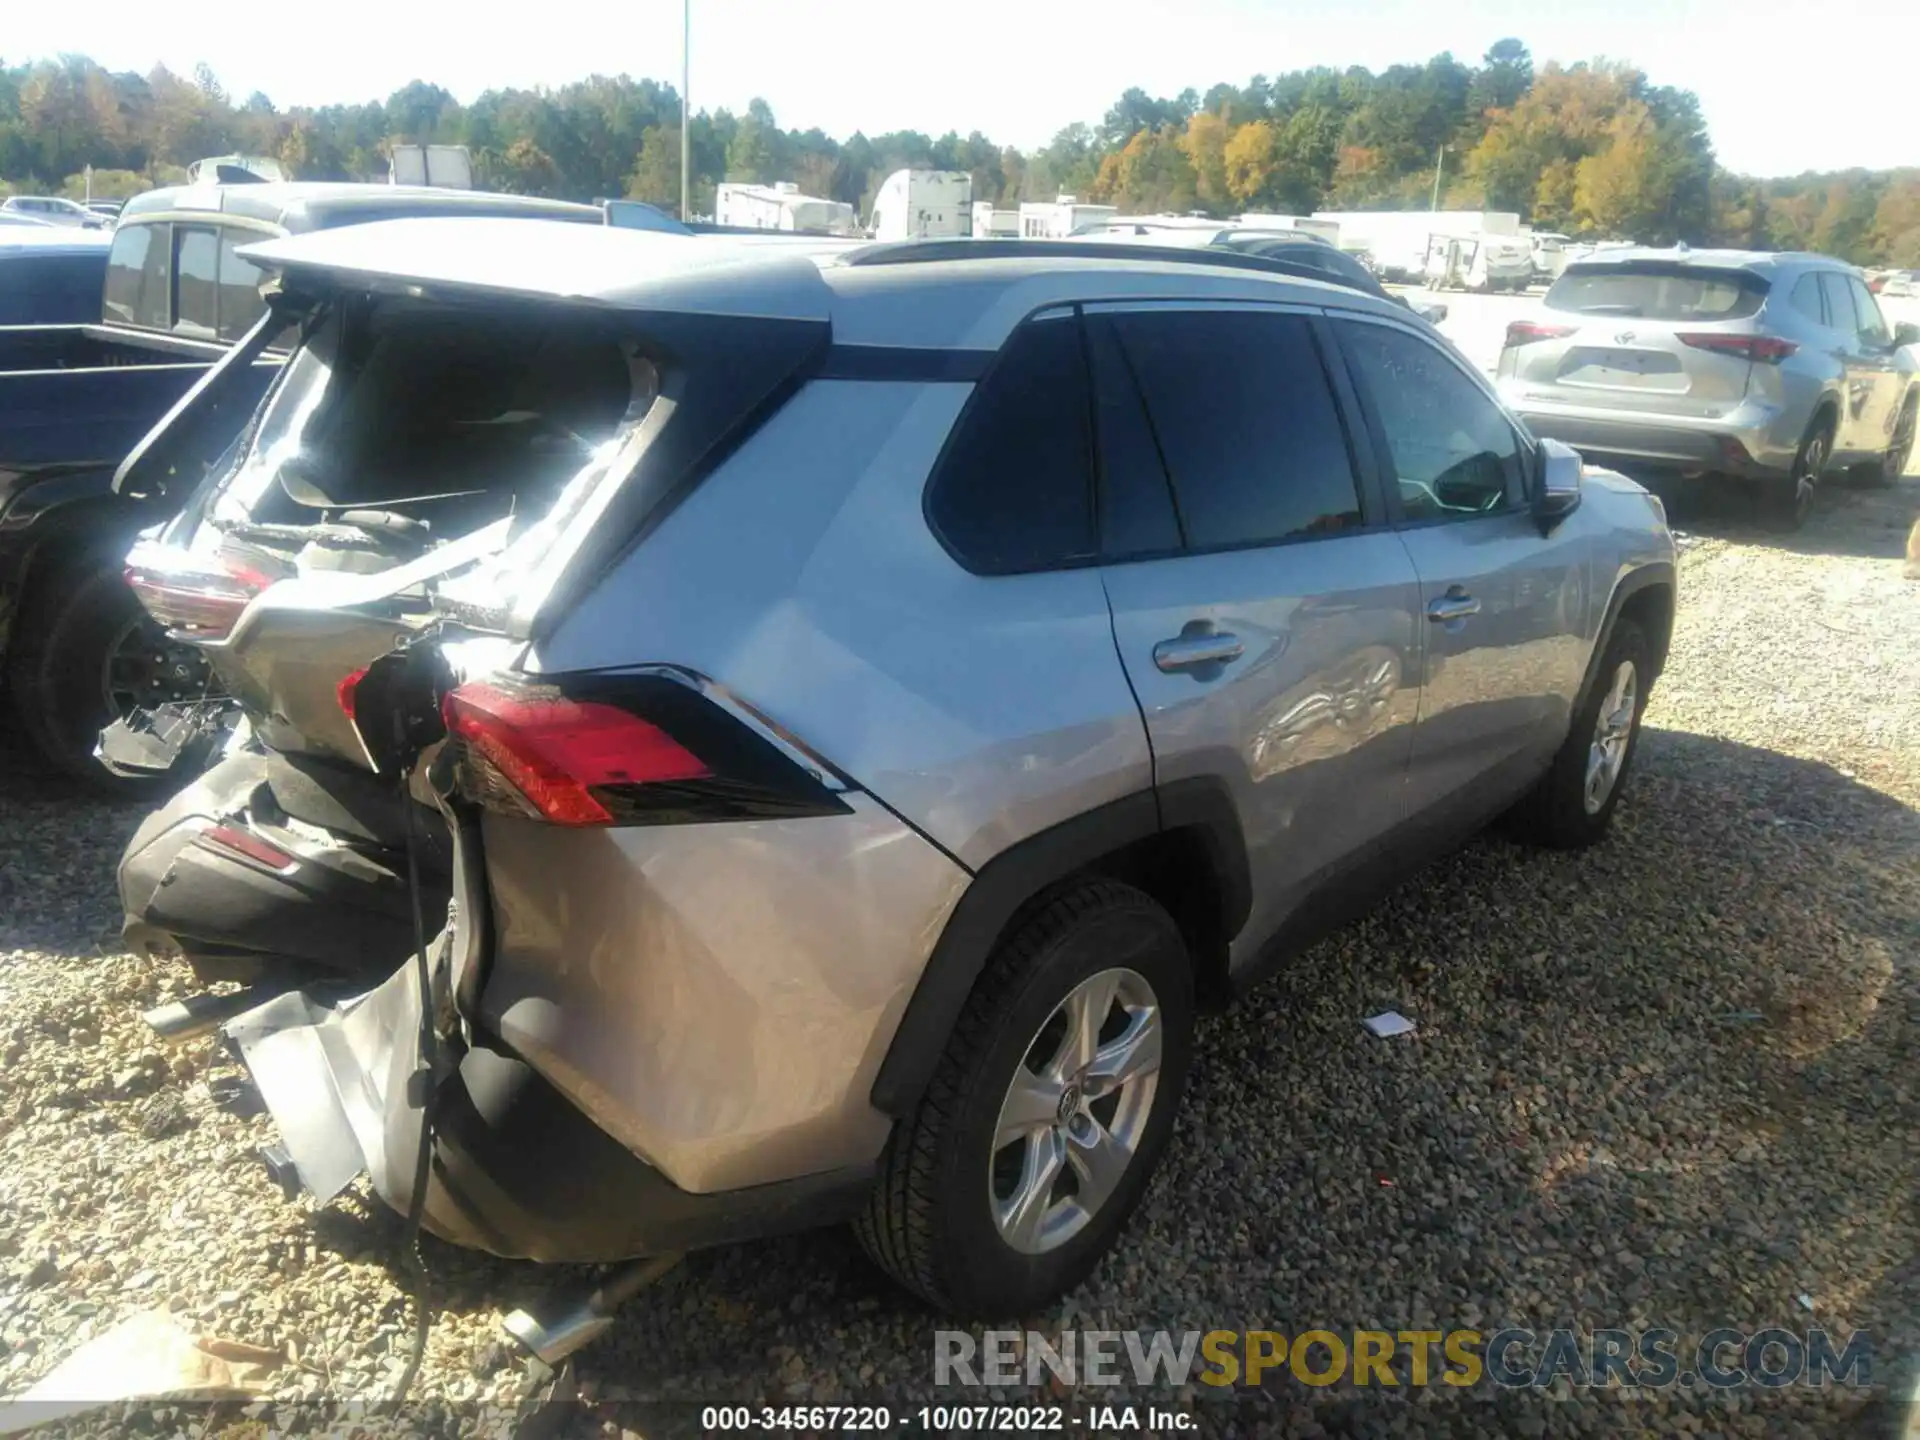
[
  {"x": 1612, "y": 730},
  {"x": 144, "y": 668},
  {"x": 1806, "y": 476},
  {"x": 1075, "y": 1111}
]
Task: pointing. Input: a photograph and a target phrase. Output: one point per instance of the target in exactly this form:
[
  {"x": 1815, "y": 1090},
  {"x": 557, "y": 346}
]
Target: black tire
[
  {"x": 930, "y": 1222},
  {"x": 56, "y": 672},
  {"x": 1787, "y": 502},
  {"x": 1555, "y": 812},
  {"x": 1892, "y": 463}
]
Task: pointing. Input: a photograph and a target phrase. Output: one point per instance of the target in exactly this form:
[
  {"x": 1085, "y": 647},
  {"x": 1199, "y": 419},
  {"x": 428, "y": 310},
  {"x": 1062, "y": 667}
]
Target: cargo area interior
[{"x": 420, "y": 422}]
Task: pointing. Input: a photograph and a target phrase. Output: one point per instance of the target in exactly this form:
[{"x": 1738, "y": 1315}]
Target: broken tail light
[
  {"x": 633, "y": 749},
  {"x": 1760, "y": 349},
  {"x": 192, "y": 600},
  {"x": 193, "y": 604}
]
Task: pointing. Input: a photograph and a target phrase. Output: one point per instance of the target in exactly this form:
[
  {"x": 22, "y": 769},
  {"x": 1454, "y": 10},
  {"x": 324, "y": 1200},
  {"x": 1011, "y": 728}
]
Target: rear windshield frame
[{"x": 1751, "y": 290}]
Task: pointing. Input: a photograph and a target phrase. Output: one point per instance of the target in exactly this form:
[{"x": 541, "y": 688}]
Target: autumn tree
[
  {"x": 1151, "y": 175},
  {"x": 1205, "y": 144},
  {"x": 1251, "y": 157}
]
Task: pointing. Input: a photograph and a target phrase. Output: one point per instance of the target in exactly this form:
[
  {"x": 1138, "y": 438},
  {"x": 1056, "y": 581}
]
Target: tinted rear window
[
  {"x": 1245, "y": 420},
  {"x": 1657, "y": 290},
  {"x": 1014, "y": 490}
]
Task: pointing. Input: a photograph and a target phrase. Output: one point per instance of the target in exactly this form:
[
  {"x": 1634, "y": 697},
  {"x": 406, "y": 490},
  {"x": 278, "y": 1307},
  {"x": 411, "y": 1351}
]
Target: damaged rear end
[
  {"x": 677, "y": 937},
  {"x": 424, "y": 425}
]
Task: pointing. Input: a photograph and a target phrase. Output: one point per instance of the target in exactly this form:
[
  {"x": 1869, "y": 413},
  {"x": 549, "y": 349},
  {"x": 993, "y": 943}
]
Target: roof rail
[{"x": 917, "y": 252}]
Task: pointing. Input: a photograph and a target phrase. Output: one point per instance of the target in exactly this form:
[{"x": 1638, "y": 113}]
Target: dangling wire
[{"x": 421, "y": 1087}]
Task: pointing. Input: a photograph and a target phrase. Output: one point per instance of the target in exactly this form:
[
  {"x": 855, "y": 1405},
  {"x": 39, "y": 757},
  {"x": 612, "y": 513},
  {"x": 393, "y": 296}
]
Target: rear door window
[
  {"x": 1451, "y": 448},
  {"x": 139, "y": 288},
  {"x": 1866, "y": 309},
  {"x": 1135, "y": 503},
  {"x": 1833, "y": 285},
  {"x": 1806, "y": 299},
  {"x": 1014, "y": 490},
  {"x": 1657, "y": 290},
  {"x": 196, "y": 268},
  {"x": 1244, "y": 419}
]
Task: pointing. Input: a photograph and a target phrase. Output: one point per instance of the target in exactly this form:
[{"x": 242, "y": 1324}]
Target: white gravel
[{"x": 1673, "y": 1081}]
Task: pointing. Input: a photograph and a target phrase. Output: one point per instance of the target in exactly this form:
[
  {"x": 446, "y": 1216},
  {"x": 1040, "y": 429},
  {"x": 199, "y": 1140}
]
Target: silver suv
[
  {"x": 1775, "y": 368},
  {"x": 957, "y": 663}
]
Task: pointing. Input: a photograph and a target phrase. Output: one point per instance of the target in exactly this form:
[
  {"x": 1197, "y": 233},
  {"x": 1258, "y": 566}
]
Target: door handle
[
  {"x": 1188, "y": 652},
  {"x": 1456, "y": 604}
]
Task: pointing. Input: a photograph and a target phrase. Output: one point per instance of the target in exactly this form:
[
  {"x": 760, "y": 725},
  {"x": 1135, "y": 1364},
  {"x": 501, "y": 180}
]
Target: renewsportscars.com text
[{"x": 1655, "y": 1358}]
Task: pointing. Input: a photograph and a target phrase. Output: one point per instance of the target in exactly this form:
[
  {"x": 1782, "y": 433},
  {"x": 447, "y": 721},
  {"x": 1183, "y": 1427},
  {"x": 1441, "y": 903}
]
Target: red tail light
[
  {"x": 1761, "y": 349},
  {"x": 632, "y": 749},
  {"x": 1525, "y": 332},
  {"x": 556, "y": 751}
]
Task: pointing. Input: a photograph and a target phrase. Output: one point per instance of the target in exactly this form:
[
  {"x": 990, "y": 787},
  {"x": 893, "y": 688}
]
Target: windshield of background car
[
  {"x": 457, "y": 415},
  {"x": 1657, "y": 290}
]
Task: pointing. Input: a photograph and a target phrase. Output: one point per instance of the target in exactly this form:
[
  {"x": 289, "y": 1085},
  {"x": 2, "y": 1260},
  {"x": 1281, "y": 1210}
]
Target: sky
[{"x": 1785, "y": 86}]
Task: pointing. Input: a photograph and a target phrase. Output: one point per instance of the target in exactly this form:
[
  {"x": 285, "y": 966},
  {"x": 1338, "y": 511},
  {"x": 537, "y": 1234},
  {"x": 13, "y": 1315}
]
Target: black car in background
[{"x": 79, "y": 393}]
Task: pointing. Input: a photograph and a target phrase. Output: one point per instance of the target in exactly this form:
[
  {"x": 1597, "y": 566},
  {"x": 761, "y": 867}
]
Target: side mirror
[
  {"x": 1558, "y": 495},
  {"x": 1906, "y": 333}
]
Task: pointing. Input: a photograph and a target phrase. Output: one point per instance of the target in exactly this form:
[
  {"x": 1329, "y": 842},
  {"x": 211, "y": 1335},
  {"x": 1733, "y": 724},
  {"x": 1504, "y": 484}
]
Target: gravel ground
[{"x": 1672, "y": 1081}]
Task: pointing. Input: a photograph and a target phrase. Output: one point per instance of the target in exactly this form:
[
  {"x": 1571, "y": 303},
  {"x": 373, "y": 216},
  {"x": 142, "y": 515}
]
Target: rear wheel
[
  {"x": 1048, "y": 1112},
  {"x": 1788, "y": 502},
  {"x": 87, "y": 656}
]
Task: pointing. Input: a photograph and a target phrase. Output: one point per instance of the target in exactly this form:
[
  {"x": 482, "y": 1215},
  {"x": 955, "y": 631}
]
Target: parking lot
[{"x": 1670, "y": 1081}]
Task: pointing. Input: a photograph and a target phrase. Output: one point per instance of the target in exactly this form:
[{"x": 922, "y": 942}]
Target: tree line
[{"x": 1588, "y": 148}]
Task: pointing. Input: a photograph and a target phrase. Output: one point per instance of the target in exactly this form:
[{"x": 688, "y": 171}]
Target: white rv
[
  {"x": 1398, "y": 239},
  {"x": 445, "y": 167},
  {"x": 780, "y": 206},
  {"x": 1056, "y": 220},
  {"x": 923, "y": 205},
  {"x": 993, "y": 223}
]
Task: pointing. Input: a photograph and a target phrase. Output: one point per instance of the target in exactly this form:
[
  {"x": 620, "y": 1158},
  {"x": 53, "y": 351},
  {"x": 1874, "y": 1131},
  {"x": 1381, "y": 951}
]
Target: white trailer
[
  {"x": 1057, "y": 219},
  {"x": 780, "y": 206},
  {"x": 992, "y": 223},
  {"x": 444, "y": 167},
  {"x": 923, "y": 205},
  {"x": 1327, "y": 230},
  {"x": 1398, "y": 239}
]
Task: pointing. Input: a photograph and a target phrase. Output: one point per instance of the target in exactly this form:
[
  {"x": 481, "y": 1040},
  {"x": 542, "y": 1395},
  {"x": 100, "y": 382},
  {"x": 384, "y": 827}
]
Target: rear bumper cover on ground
[
  {"x": 517, "y": 1170},
  {"x": 348, "y": 910}
]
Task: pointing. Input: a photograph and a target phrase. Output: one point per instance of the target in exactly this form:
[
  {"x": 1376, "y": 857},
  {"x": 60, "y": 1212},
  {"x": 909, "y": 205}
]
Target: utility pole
[
  {"x": 1439, "y": 157},
  {"x": 686, "y": 111}
]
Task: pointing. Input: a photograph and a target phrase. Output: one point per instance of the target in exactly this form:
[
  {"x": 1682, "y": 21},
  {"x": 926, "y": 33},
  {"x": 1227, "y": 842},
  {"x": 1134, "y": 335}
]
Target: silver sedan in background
[{"x": 1777, "y": 368}]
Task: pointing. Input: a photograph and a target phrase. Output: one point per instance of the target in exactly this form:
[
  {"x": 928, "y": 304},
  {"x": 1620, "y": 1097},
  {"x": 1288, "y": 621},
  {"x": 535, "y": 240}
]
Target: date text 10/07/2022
[{"x": 945, "y": 1419}]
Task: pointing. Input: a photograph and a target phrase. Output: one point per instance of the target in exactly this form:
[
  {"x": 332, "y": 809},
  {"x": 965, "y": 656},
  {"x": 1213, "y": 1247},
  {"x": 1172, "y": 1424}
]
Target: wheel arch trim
[
  {"x": 1003, "y": 886},
  {"x": 1652, "y": 575}
]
